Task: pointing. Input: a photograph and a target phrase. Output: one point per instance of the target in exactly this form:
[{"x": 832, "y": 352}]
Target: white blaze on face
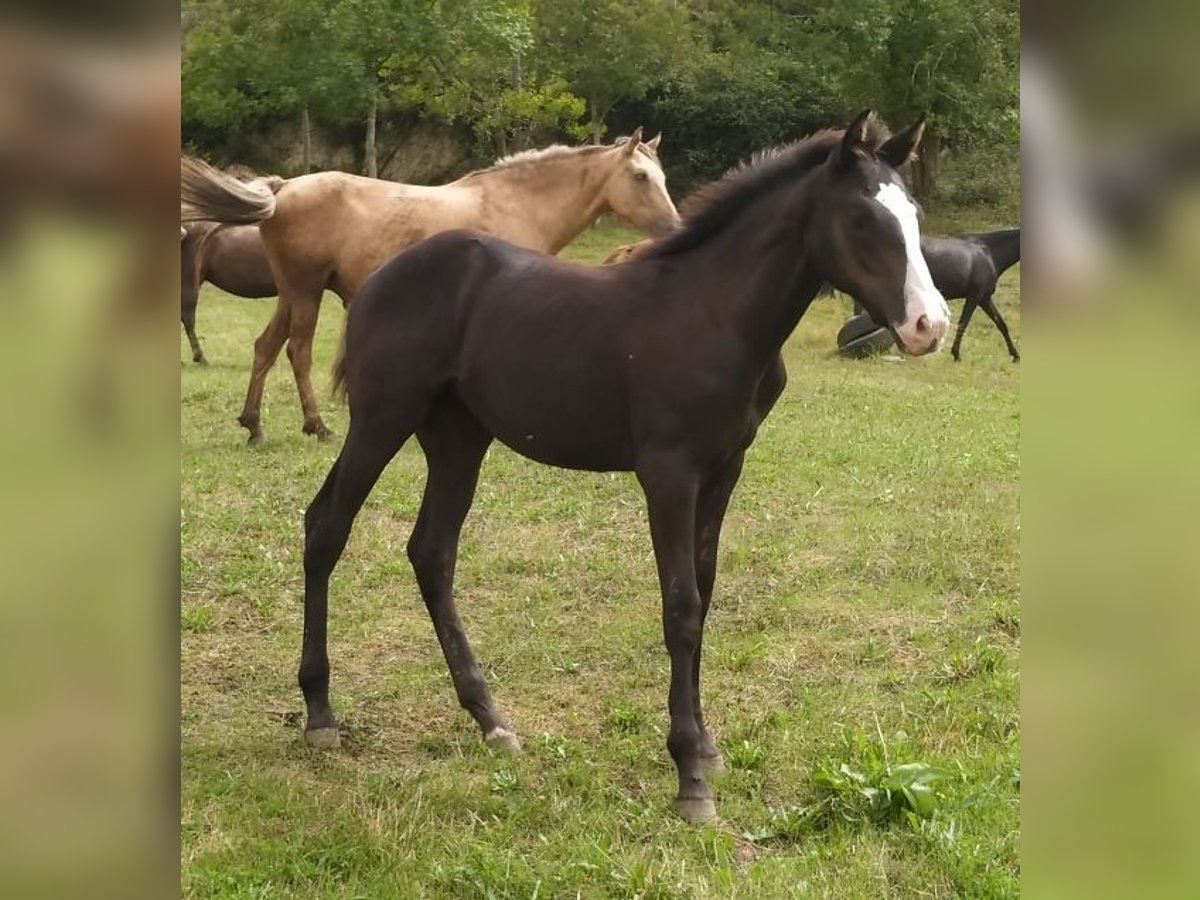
[
  {"x": 926, "y": 316},
  {"x": 660, "y": 197}
]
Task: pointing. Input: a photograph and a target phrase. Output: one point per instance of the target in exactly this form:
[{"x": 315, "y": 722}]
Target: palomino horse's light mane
[{"x": 556, "y": 151}]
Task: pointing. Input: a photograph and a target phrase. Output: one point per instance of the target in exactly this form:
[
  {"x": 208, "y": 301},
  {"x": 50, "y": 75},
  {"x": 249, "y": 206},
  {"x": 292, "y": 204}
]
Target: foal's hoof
[
  {"x": 502, "y": 739},
  {"x": 323, "y": 738},
  {"x": 696, "y": 810},
  {"x": 255, "y": 439},
  {"x": 200, "y": 360}
]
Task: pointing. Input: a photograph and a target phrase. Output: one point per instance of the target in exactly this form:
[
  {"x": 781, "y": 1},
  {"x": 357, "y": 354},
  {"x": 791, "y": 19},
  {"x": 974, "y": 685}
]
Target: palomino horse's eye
[{"x": 641, "y": 176}]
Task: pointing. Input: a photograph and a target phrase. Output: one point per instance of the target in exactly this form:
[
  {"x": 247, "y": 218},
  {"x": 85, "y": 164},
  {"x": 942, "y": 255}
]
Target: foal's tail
[{"x": 208, "y": 194}]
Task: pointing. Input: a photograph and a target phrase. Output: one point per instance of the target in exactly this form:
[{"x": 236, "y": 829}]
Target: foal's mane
[{"x": 709, "y": 209}]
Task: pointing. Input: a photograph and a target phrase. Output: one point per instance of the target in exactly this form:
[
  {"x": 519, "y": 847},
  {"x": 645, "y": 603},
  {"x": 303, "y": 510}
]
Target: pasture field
[{"x": 866, "y": 616}]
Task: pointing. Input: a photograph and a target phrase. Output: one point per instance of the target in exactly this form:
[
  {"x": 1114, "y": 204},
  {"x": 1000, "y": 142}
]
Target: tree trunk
[
  {"x": 520, "y": 137},
  {"x": 925, "y": 166},
  {"x": 305, "y": 141},
  {"x": 371, "y": 163},
  {"x": 597, "y": 124}
]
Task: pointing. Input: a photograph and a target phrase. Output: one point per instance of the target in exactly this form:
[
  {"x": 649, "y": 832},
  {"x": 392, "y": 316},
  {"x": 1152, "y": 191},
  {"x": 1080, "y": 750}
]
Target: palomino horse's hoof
[
  {"x": 252, "y": 426},
  {"x": 323, "y": 738},
  {"x": 696, "y": 810},
  {"x": 318, "y": 430},
  {"x": 502, "y": 739}
]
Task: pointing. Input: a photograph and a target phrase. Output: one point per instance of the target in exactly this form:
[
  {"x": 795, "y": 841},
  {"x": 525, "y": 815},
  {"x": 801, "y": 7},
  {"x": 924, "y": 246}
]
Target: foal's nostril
[{"x": 923, "y": 326}]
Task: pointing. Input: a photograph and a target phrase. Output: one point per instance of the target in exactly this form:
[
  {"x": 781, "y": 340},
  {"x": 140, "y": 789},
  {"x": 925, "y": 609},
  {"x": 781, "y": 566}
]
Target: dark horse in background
[
  {"x": 969, "y": 267},
  {"x": 664, "y": 366},
  {"x": 231, "y": 257}
]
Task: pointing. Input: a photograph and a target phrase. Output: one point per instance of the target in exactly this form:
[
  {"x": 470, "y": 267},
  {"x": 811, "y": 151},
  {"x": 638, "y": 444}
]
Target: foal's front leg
[
  {"x": 671, "y": 494},
  {"x": 710, "y": 514}
]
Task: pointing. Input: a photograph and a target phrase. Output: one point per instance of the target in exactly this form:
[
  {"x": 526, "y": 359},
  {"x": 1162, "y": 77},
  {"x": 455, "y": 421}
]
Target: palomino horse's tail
[
  {"x": 337, "y": 385},
  {"x": 208, "y": 194}
]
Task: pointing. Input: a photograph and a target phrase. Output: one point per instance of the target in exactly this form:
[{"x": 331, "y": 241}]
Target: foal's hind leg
[
  {"x": 989, "y": 307},
  {"x": 454, "y": 445},
  {"x": 266, "y": 350},
  {"x": 968, "y": 310},
  {"x": 327, "y": 523},
  {"x": 710, "y": 514}
]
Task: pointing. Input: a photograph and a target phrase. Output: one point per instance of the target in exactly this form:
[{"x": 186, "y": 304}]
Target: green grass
[{"x": 863, "y": 642}]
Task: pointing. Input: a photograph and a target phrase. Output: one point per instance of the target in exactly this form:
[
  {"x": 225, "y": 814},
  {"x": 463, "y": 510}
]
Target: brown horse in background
[
  {"x": 232, "y": 257},
  {"x": 331, "y": 230}
]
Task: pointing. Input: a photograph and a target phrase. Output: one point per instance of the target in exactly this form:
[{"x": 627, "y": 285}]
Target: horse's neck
[
  {"x": 754, "y": 278},
  {"x": 543, "y": 205},
  {"x": 1005, "y": 248}
]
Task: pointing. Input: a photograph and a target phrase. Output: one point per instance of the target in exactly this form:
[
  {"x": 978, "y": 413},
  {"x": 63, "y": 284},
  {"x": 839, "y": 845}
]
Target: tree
[
  {"x": 957, "y": 60},
  {"x": 494, "y": 81},
  {"x": 261, "y": 58},
  {"x": 611, "y": 50}
]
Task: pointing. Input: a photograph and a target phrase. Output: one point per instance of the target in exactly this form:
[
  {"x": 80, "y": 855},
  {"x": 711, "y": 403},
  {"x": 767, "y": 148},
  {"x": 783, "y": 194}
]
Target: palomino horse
[
  {"x": 332, "y": 230},
  {"x": 231, "y": 257},
  {"x": 664, "y": 366}
]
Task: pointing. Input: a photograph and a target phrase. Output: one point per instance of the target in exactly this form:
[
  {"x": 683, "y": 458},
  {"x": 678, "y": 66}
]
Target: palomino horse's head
[
  {"x": 865, "y": 238},
  {"x": 636, "y": 188}
]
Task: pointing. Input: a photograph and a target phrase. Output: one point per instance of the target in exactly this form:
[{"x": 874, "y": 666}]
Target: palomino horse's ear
[
  {"x": 631, "y": 145},
  {"x": 854, "y": 142},
  {"x": 904, "y": 146},
  {"x": 654, "y": 141}
]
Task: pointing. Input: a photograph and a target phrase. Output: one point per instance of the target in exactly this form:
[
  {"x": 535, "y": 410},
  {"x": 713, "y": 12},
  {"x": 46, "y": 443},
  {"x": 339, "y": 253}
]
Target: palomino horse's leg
[
  {"x": 671, "y": 488},
  {"x": 710, "y": 513},
  {"x": 454, "y": 446},
  {"x": 989, "y": 307},
  {"x": 326, "y": 529},
  {"x": 299, "y": 351},
  {"x": 968, "y": 311},
  {"x": 266, "y": 350}
]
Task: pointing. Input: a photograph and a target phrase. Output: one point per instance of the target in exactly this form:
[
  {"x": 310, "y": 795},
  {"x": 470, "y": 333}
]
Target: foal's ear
[
  {"x": 904, "y": 146},
  {"x": 854, "y": 143},
  {"x": 631, "y": 145},
  {"x": 654, "y": 141}
]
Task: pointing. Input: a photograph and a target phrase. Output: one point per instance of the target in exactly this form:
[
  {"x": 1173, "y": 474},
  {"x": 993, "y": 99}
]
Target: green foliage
[
  {"x": 720, "y": 78},
  {"x": 611, "y": 50},
  {"x": 870, "y": 787},
  {"x": 747, "y": 755},
  {"x": 456, "y": 60}
]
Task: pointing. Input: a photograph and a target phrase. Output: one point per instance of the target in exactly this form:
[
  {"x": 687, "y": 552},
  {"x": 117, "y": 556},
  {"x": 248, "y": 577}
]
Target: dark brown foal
[{"x": 664, "y": 366}]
